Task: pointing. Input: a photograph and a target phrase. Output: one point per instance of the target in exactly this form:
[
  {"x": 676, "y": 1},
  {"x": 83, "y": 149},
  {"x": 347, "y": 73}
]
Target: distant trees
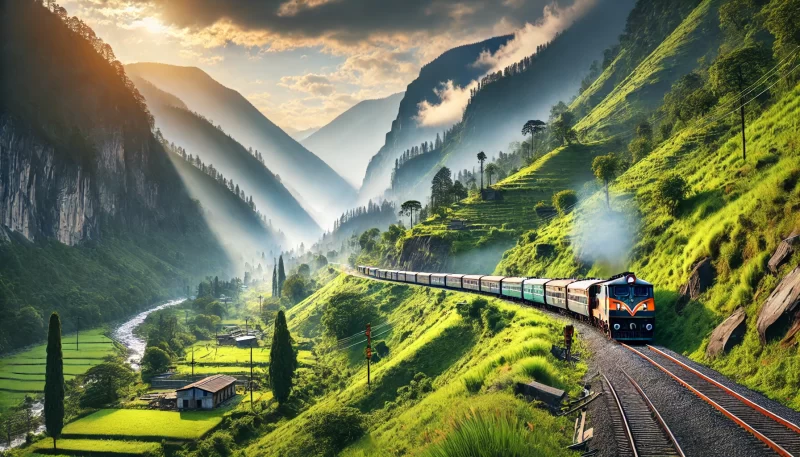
[
  {"x": 670, "y": 192},
  {"x": 562, "y": 128},
  {"x": 491, "y": 170},
  {"x": 481, "y": 159},
  {"x": 733, "y": 73},
  {"x": 367, "y": 239},
  {"x": 605, "y": 169},
  {"x": 348, "y": 313},
  {"x": 296, "y": 287},
  {"x": 564, "y": 201},
  {"x": 372, "y": 211},
  {"x": 459, "y": 191},
  {"x": 533, "y": 128},
  {"x": 281, "y": 275},
  {"x": 408, "y": 208},
  {"x": 54, "y": 381},
  {"x": 275, "y": 279},
  {"x": 155, "y": 361},
  {"x": 642, "y": 144},
  {"x": 282, "y": 360},
  {"x": 104, "y": 383}
]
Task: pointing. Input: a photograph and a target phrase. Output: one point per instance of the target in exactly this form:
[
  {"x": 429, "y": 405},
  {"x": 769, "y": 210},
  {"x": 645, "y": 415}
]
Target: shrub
[
  {"x": 670, "y": 192},
  {"x": 220, "y": 444},
  {"x": 155, "y": 361},
  {"x": 335, "y": 428},
  {"x": 484, "y": 434},
  {"x": 564, "y": 201},
  {"x": 347, "y": 313},
  {"x": 539, "y": 369}
]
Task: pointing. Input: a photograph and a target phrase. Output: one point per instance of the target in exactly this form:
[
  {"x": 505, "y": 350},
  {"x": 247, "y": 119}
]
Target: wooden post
[
  {"x": 251, "y": 376},
  {"x": 369, "y": 353},
  {"x": 192, "y": 363},
  {"x": 744, "y": 140}
]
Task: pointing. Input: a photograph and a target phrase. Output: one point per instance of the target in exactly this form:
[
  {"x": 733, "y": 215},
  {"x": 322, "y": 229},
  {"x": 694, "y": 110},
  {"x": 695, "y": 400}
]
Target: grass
[
  {"x": 145, "y": 424},
  {"x": 97, "y": 447}
]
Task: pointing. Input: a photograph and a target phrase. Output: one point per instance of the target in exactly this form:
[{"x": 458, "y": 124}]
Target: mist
[{"x": 603, "y": 237}]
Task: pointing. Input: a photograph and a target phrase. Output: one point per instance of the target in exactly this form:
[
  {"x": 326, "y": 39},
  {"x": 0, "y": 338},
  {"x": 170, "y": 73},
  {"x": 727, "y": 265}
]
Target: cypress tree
[
  {"x": 274, "y": 280},
  {"x": 281, "y": 275},
  {"x": 282, "y": 360},
  {"x": 54, "y": 381}
]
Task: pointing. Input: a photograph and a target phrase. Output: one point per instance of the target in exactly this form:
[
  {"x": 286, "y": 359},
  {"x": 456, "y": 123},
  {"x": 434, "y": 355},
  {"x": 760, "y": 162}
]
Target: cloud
[
  {"x": 309, "y": 83},
  {"x": 453, "y": 99},
  {"x": 198, "y": 57}
]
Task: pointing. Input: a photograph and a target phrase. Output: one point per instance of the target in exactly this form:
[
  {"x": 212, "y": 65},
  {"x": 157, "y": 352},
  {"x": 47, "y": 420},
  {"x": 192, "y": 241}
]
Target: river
[{"x": 124, "y": 335}]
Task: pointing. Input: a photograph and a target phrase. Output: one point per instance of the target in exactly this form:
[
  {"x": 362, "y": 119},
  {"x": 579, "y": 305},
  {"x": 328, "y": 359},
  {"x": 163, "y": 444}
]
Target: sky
[{"x": 304, "y": 62}]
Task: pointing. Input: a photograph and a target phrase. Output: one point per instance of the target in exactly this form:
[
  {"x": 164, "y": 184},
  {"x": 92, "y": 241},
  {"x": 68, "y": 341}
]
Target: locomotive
[{"x": 622, "y": 306}]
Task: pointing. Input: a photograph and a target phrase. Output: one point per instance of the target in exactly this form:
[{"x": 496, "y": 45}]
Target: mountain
[
  {"x": 300, "y": 135},
  {"x": 202, "y": 139},
  {"x": 453, "y": 65},
  {"x": 349, "y": 141},
  {"x": 326, "y": 191},
  {"x": 95, "y": 222}
]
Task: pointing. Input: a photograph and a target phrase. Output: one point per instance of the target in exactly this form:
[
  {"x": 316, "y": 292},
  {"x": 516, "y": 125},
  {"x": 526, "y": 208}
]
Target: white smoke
[
  {"x": 601, "y": 236},
  {"x": 453, "y": 99}
]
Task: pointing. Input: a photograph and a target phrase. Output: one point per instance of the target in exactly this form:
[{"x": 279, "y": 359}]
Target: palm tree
[
  {"x": 533, "y": 128},
  {"x": 481, "y": 159},
  {"x": 491, "y": 170}
]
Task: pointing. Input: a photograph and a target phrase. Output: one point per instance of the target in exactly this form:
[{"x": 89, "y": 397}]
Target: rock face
[
  {"x": 728, "y": 334},
  {"x": 700, "y": 279},
  {"x": 776, "y": 315},
  {"x": 424, "y": 253},
  {"x": 784, "y": 251}
]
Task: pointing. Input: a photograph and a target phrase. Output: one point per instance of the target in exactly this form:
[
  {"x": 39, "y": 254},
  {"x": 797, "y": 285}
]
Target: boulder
[
  {"x": 700, "y": 279},
  {"x": 776, "y": 314},
  {"x": 783, "y": 252},
  {"x": 727, "y": 334}
]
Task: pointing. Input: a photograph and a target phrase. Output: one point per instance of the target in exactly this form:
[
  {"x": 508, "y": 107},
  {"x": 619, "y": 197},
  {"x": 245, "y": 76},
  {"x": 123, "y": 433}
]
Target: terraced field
[
  {"x": 146, "y": 425},
  {"x": 22, "y": 373},
  {"x": 212, "y": 359},
  {"x": 105, "y": 447}
]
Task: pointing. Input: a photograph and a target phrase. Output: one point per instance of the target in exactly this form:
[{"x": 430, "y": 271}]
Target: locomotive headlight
[
  {"x": 633, "y": 326},
  {"x": 616, "y": 326},
  {"x": 618, "y": 307},
  {"x": 649, "y": 327},
  {"x": 644, "y": 307}
]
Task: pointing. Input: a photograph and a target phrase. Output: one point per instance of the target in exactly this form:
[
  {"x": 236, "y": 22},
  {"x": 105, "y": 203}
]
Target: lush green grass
[
  {"x": 145, "y": 424},
  {"x": 97, "y": 446}
]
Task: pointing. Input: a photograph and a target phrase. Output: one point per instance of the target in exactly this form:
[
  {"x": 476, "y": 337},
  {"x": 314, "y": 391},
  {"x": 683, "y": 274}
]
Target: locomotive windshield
[
  {"x": 625, "y": 291},
  {"x": 621, "y": 291},
  {"x": 641, "y": 291}
]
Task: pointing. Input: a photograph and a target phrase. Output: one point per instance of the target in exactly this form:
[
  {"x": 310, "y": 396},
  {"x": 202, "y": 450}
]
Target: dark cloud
[{"x": 351, "y": 21}]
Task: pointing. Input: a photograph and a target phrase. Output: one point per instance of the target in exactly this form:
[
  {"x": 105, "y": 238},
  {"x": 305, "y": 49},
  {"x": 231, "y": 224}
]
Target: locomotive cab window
[
  {"x": 641, "y": 291},
  {"x": 621, "y": 291}
]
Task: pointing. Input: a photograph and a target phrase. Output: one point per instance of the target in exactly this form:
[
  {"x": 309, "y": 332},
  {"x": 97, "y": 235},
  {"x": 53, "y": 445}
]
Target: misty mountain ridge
[
  {"x": 348, "y": 142},
  {"x": 321, "y": 187},
  {"x": 300, "y": 135}
]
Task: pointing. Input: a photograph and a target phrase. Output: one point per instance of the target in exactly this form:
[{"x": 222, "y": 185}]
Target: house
[
  {"x": 206, "y": 393},
  {"x": 247, "y": 341}
]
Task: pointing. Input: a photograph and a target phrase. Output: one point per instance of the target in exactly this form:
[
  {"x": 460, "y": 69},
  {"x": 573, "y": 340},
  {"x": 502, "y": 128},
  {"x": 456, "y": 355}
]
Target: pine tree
[
  {"x": 281, "y": 275},
  {"x": 54, "y": 381},
  {"x": 282, "y": 359}
]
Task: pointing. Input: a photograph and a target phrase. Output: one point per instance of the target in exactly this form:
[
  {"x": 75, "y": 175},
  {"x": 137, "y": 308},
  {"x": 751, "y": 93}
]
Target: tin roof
[
  {"x": 513, "y": 280},
  {"x": 537, "y": 281},
  {"x": 457, "y": 276},
  {"x": 584, "y": 284},
  {"x": 492, "y": 278},
  {"x": 559, "y": 282},
  {"x": 245, "y": 338},
  {"x": 472, "y": 276},
  {"x": 424, "y": 274},
  {"x": 211, "y": 384}
]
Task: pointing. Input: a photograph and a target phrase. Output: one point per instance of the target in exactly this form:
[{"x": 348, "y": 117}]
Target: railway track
[
  {"x": 639, "y": 429},
  {"x": 777, "y": 433}
]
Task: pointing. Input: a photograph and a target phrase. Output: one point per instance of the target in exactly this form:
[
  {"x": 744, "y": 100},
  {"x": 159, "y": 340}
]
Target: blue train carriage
[
  {"x": 582, "y": 297},
  {"x": 471, "y": 282},
  {"x": 626, "y": 308},
  {"x": 533, "y": 289},
  {"x": 453, "y": 281},
  {"x": 424, "y": 278},
  {"x": 512, "y": 287},
  {"x": 438, "y": 279},
  {"x": 555, "y": 292},
  {"x": 491, "y": 284}
]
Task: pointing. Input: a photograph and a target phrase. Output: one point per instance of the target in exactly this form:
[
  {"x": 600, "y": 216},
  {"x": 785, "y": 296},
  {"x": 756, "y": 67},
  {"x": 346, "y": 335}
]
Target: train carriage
[
  {"x": 471, "y": 282},
  {"x": 491, "y": 284},
  {"x": 555, "y": 292},
  {"x": 438, "y": 279},
  {"x": 411, "y": 276},
  {"x": 582, "y": 296},
  {"x": 401, "y": 276},
  {"x": 424, "y": 278},
  {"x": 512, "y": 287},
  {"x": 533, "y": 289},
  {"x": 453, "y": 281},
  {"x": 626, "y": 308}
]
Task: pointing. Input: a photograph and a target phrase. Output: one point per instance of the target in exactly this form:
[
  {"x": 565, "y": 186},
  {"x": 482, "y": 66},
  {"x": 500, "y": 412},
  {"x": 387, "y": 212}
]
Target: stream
[{"x": 122, "y": 334}]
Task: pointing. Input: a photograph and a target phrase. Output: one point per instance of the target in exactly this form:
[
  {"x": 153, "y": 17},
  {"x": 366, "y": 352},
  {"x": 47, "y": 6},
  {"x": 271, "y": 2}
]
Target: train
[{"x": 622, "y": 306}]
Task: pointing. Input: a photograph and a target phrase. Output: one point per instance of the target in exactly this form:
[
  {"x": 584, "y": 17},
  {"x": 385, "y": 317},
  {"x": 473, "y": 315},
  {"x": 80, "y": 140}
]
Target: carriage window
[
  {"x": 622, "y": 291},
  {"x": 641, "y": 291}
]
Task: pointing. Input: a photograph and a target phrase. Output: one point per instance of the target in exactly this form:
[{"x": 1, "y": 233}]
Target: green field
[
  {"x": 72, "y": 446},
  {"x": 145, "y": 424},
  {"x": 23, "y": 373}
]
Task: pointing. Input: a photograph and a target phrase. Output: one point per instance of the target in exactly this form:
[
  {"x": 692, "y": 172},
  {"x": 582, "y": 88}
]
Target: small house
[
  {"x": 247, "y": 341},
  {"x": 206, "y": 393}
]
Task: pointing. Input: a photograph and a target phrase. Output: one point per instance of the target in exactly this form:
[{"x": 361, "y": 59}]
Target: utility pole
[
  {"x": 369, "y": 352},
  {"x": 77, "y": 332},
  {"x": 245, "y": 325},
  {"x": 251, "y": 376},
  {"x": 192, "y": 363}
]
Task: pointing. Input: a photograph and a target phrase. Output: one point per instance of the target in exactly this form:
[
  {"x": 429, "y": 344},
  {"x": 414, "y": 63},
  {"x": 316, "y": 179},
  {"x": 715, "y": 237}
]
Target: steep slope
[
  {"x": 95, "y": 221},
  {"x": 300, "y": 135},
  {"x": 328, "y": 192},
  {"x": 200, "y": 138},
  {"x": 349, "y": 141},
  {"x": 454, "y": 65}
]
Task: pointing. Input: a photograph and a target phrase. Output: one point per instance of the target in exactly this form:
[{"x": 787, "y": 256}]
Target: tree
[
  {"x": 441, "y": 188},
  {"x": 282, "y": 360},
  {"x": 782, "y": 21},
  {"x": 367, "y": 239},
  {"x": 155, "y": 360},
  {"x": 564, "y": 201},
  {"x": 408, "y": 208},
  {"x": 320, "y": 261},
  {"x": 605, "y": 169},
  {"x": 281, "y": 275},
  {"x": 304, "y": 270},
  {"x": 562, "y": 128},
  {"x": 481, "y": 159},
  {"x": 533, "y": 128},
  {"x": 275, "y": 279},
  {"x": 459, "y": 191},
  {"x": 733, "y": 73},
  {"x": 347, "y": 313},
  {"x": 491, "y": 170},
  {"x": 54, "y": 381},
  {"x": 295, "y": 288},
  {"x": 670, "y": 192},
  {"x": 104, "y": 383}
]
